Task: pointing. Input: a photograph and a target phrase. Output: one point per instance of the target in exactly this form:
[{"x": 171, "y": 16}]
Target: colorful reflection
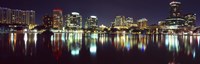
[
  {"x": 142, "y": 45},
  {"x": 73, "y": 43},
  {"x": 103, "y": 38},
  {"x": 91, "y": 42},
  {"x": 57, "y": 45},
  {"x": 128, "y": 41},
  {"x": 198, "y": 40},
  {"x": 172, "y": 43},
  {"x": 12, "y": 40},
  {"x": 24, "y": 43}
]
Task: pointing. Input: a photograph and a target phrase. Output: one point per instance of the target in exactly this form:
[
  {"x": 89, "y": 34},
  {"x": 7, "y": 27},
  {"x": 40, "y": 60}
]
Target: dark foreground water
[{"x": 78, "y": 48}]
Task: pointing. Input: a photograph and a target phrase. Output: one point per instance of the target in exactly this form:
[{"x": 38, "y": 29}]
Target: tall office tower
[
  {"x": 175, "y": 18},
  {"x": 57, "y": 19},
  {"x": 48, "y": 21},
  {"x": 120, "y": 21},
  {"x": 190, "y": 19},
  {"x": 91, "y": 22},
  {"x": 74, "y": 21},
  {"x": 142, "y": 23}
]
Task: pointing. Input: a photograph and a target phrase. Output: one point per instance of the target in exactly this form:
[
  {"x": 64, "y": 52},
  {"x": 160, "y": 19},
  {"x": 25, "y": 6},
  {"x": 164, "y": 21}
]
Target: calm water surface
[{"x": 93, "y": 48}]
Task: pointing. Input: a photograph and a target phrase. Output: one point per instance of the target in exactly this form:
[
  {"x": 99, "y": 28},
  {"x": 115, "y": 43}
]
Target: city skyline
[{"x": 106, "y": 11}]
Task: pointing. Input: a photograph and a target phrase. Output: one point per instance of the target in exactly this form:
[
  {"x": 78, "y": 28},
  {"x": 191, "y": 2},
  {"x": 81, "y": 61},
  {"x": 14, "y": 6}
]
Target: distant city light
[
  {"x": 93, "y": 16},
  {"x": 94, "y": 35},
  {"x": 75, "y": 52},
  {"x": 93, "y": 49},
  {"x": 25, "y": 30},
  {"x": 174, "y": 2},
  {"x": 75, "y": 13}
]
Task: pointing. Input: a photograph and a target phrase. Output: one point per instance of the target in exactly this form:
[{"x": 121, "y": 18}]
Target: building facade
[
  {"x": 91, "y": 23},
  {"x": 190, "y": 19},
  {"x": 142, "y": 23},
  {"x": 16, "y": 16},
  {"x": 57, "y": 19},
  {"x": 120, "y": 21},
  {"x": 74, "y": 21}
]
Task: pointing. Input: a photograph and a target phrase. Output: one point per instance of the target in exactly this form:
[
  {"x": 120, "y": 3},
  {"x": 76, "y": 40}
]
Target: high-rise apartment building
[
  {"x": 16, "y": 16},
  {"x": 57, "y": 19}
]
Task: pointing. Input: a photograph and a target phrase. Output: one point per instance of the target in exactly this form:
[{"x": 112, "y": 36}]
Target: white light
[
  {"x": 25, "y": 41},
  {"x": 12, "y": 37},
  {"x": 94, "y": 35},
  {"x": 34, "y": 30},
  {"x": 93, "y": 16},
  {"x": 102, "y": 26},
  {"x": 185, "y": 33},
  {"x": 25, "y": 30},
  {"x": 124, "y": 31},
  {"x": 63, "y": 28},
  {"x": 194, "y": 54},
  {"x": 35, "y": 37},
  {"x": 63, "y": 36},
  {"x": 25, "y": 37},
  {"x": 75, "y": 13},
  {"x": 75, "y": 52},
  {"x": 143, "y": 19},
  {"x": 174, "y": 2},
  {"x": 93, "y": 49}
]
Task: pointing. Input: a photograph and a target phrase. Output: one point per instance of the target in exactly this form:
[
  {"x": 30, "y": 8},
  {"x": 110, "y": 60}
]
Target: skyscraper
[
  {"x": 74, "y": 21},
  {"x": 175, "y": 18},
  {"x": 57, "y": 19},
  {"x": 120, "y": 21},
  {"x": 91, "y": 22}
]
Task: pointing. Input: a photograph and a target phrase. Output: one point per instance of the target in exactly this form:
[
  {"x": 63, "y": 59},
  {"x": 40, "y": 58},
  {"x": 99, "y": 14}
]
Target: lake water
[{"x": 93, "y": 48}]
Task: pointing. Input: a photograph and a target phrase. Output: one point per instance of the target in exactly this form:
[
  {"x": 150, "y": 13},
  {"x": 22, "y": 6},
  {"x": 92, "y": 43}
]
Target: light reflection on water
[
  {"x": 172, "y": 43},
  {"x": 75, "y": 42}
]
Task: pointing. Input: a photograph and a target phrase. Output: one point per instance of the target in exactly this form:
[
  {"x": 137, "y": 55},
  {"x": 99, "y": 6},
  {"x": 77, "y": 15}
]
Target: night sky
[{"x": 106, "y": 10}]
